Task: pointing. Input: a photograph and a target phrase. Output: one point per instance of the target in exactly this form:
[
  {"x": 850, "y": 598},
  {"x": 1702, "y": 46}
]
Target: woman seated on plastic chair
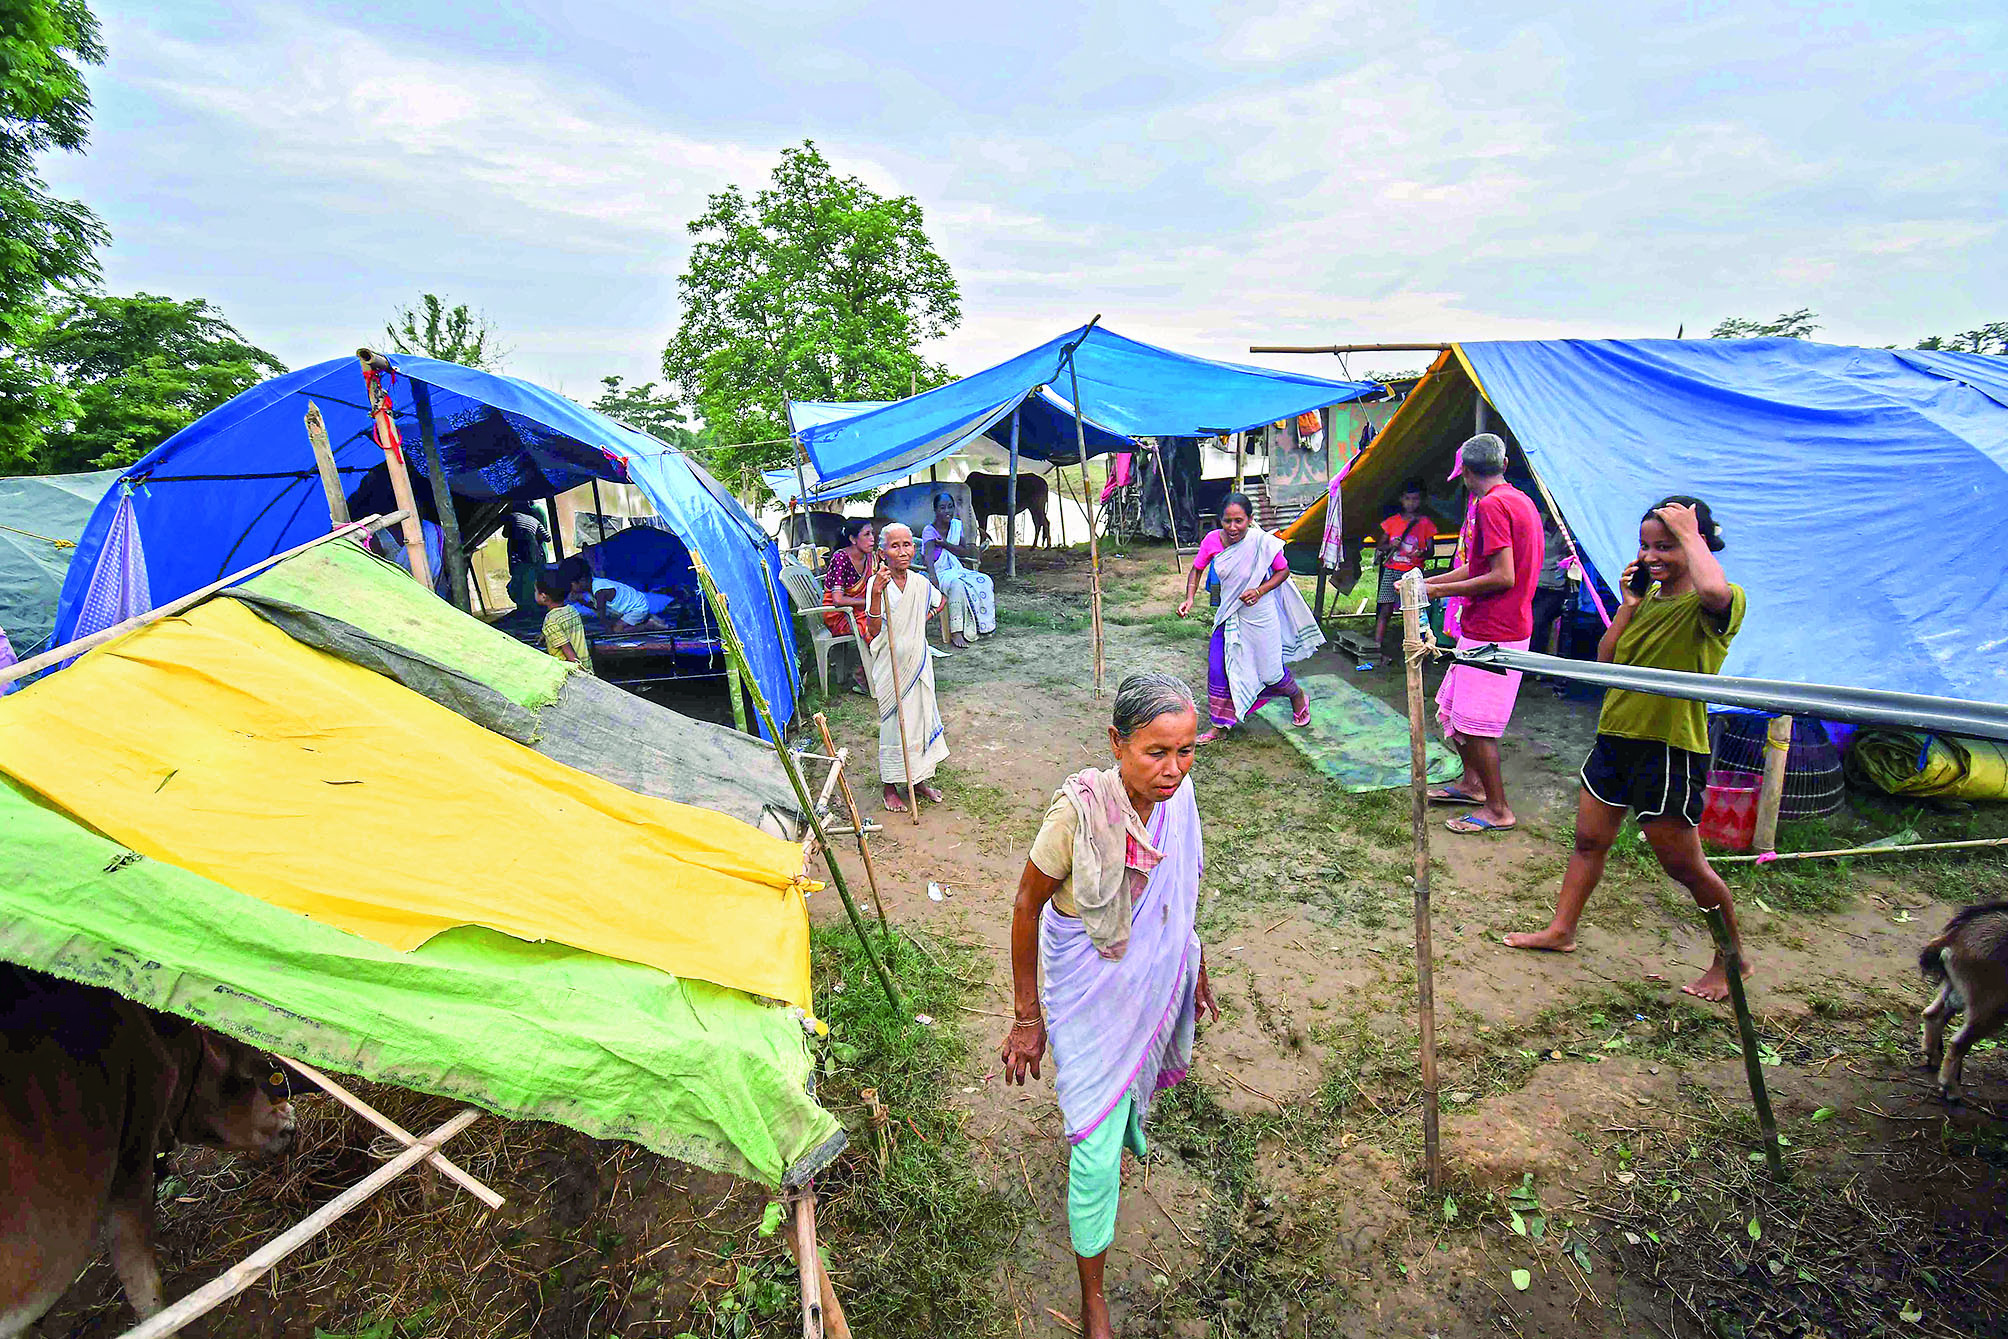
[{"x": 972, "y": 597}]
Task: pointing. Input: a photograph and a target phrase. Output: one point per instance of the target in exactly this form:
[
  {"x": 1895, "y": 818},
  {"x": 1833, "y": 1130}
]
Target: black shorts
[{"x": 1648, "y": 777}]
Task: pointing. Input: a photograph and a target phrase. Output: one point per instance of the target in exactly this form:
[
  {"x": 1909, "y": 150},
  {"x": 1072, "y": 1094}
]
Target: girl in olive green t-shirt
[{"x": 1651, "y": 753}]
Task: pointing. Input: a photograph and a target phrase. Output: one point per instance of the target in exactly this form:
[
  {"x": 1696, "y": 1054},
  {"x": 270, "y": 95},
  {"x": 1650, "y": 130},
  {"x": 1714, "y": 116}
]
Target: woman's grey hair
[
  {"x": 1142, "y": 698},
  {"x": 1484, "y": 454}
]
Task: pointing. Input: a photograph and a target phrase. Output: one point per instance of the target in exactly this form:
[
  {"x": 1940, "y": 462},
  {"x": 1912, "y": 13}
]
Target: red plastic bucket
[{"x": 1729, "y": 810}]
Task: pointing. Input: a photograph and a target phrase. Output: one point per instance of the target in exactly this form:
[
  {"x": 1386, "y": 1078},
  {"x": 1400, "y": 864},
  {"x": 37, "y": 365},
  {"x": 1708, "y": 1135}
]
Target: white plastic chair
[{"x": 805, "y": 592}]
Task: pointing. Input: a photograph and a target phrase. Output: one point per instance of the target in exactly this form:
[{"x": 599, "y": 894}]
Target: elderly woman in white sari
[
  {"x": 972, "y": 597},
  {"x": 896, "y": 615},
  {"x": 1105, "y": 961},
  {"x": 1262, "y": 623}
]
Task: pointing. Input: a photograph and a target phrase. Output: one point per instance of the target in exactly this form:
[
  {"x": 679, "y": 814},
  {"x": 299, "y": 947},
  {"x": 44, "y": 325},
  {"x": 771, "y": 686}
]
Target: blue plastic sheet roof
[
  {"x": 1857, "y": 490},
  {"x": 1130, "y": 388},
  {"x": 239, "y": 484}
]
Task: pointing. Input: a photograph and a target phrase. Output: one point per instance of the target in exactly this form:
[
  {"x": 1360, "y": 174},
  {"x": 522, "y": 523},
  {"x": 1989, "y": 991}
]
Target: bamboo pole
[
  {"x": 393, "y": 1129},
  {"x": 1746, "y": 1029},
  {"x": 1094, "y": 548},
  {"x": 1767, "y": 857},
  {"x": 324, "y": 461},
  {"x": 442, "y": 497},
  {"x": 898, "y": 698},
  {"x": 1771, "y": 795},
  {"x": 1011, "y": 504},
  {"x": 1240, "y": 461},
  {"x": 1170, "y": 516},
  {"x": 802, "y": 1242},
  {"x": 1347, "y": 348},
  {"x": 802, "y": 1237},
  {"x": 1418, "y": 783},
  {"x": 781, "y": 635},
  {"x": 393, "y": 456},
  {"x": 70, "y": 650},
  {"x": 249, "y": 1270},
  {"x": 857, "y": 821},
  {"x": 730, "y": 637}
]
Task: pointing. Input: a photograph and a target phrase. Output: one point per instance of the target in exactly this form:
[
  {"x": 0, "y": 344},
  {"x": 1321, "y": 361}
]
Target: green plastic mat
[
  {"x": 1355, "y": 738},
  {"x": 693, "y": 1071}
]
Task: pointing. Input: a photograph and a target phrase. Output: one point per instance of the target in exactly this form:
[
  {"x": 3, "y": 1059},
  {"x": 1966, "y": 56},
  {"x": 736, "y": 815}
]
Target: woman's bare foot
[
  {"x": 1095, "y": 1318},
  {"x": 893, "y": 803},
  {"x": 931, "y": 793},
  {"x": 1713, "y": 984},
  {"x": 1549, "y": 940},
  {"x": 959, "y": 642}
]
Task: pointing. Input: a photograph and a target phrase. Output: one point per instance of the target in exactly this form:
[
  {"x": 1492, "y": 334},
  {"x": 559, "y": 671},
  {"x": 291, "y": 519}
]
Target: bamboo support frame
[
  {"x": 324, "y": 462},
  {"x": 442, "y": 497},
  {"x": 72, "y": 649},
  {"x": 1771, "y": 794},
  {"x": 390, "y": 1127},
  {"x": 730, "y": 636},
  {"x": 858, "y": 824},
  {"x": 1347, "y": 348},
  {"x": 1413, "y": 650},
  {"x": 393, "y": 456},
  {"x": 1767, "y": 857},
  {"x": 249, "y": 1270},
  {"x": 1094, "y": 546}
]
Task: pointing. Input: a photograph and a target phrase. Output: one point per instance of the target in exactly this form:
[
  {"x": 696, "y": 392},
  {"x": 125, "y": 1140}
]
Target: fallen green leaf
[
  {"x": 1522, "y": 1280},
  {"x": 1912, "y": 1313},
  {"x": 770, "y": 1221},
  {"x": 1519, "y": 1224},
  {"x": 1824, "y": 1113},
  {"x": 1449, "y": 1208},
  {"x": 1754, "y": 1228}
]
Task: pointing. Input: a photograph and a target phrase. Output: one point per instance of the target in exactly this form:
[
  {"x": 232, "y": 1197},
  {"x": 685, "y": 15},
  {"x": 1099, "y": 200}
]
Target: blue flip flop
[{"x": 1474, "y": 824}]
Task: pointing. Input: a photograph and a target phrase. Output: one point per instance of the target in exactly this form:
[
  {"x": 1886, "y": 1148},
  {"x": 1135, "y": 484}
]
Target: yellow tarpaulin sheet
[{"x": 215, "y": 742}]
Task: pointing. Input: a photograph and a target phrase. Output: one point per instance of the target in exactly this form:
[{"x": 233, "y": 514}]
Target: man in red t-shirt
[{"x": 1498, "y": 566}]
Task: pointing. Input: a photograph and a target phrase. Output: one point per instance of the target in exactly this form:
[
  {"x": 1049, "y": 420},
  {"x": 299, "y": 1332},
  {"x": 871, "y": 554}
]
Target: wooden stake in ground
[
  {"x": 1094, "y": 549},
  {"x": 1771, "y": 795},
  {"x": 393, "y": 456},
  {"x": 857, "y": 820},
  {"x": 737, "y": 653},
  {"x": 898, "y": 699},
  {"x": 1746, "y": 1028},
  {"x": 1418, "y": 782},
  {"x": 324, "y": 461},
  {"x": 802, "y": 1241}
]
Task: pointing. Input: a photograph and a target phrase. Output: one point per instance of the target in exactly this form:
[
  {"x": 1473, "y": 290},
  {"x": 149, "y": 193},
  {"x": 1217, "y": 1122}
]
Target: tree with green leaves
[
  {"x": 46, "y": 244},
  {"x": 1786, "y": 325},
  {"x": 451, "y": 334},
  {"x": 135, "y": 371},
  {"x": 1991, "y": 338},
  {"x": 815, "y": 288}
]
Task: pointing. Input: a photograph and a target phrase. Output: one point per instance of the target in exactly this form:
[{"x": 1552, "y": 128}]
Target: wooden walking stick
[
  {"x": 857, "y": 820},
  {"x": 1418, "y": 783},
  {"x": 1746, "y": 1030},
  {"x": 737, "y": 654},
  {"x": 898, "y": 697}
]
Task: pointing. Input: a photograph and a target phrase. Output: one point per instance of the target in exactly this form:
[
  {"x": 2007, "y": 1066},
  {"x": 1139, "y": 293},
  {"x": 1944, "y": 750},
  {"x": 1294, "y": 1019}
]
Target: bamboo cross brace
[
  {"x": 393, "y": 1129},
  {"x": 858, "y": 825},
  {"x": 248, "y": 1271}
]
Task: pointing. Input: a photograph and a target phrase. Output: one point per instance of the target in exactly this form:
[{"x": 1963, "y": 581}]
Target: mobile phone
[{"x": 1641, "y": 580}]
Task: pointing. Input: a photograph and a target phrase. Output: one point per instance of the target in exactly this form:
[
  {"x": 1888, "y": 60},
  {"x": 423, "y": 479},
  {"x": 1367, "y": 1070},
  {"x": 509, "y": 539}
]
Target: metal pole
[
  {"x": 1746, "y": 1029},
  {"x": 1418, "y": 783},
  {"x": 442, "y": 497},
  {"x": 730, "y": 637},
  {"x": 1011, "y": 503}
]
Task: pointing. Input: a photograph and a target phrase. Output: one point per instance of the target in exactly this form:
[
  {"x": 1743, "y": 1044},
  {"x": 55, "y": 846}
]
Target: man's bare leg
[
  {"x": 1481, "y": 763},
  {"x": 1597, "y": 826},
  {"x": 1678, "y": 847},
  {"x": 1094, "y": 1306}
]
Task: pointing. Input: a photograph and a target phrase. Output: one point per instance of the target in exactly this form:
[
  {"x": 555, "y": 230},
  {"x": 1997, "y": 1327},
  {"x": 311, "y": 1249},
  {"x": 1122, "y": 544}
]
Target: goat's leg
[{"x": 1933, "y": 1021}]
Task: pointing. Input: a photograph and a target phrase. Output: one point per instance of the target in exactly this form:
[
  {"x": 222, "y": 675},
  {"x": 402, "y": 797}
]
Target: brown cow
[
  {"x": 989, "y": 495},
  {"x": 92, "y": 1086}
]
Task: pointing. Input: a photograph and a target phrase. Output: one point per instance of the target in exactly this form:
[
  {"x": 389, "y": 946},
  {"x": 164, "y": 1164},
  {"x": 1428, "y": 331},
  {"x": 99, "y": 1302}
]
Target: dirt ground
[{"x": 1597, "y": 1139}]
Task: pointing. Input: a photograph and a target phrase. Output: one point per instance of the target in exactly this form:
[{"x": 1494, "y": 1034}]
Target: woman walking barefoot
[
  {"x": 1651, "y": 752},
  {"x": 1262, "y": 623},
  {"x": 1104, "y": 957}
]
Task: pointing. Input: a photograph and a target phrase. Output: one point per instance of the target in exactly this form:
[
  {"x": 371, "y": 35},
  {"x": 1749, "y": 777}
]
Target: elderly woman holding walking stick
[
  {"x": 912, "y": 743},
  {"x": 1105, "y": 961}
]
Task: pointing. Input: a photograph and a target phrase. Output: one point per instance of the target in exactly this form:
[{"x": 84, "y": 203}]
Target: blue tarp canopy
[
  {"x": 1045, "y": 432},
  {"x": 1856, "y": 490},
  {"x": 239, "y": 484},
  {"x": 1129, "y": 388}
]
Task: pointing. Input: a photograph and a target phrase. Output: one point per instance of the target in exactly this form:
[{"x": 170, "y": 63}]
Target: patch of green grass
[
  {"x": 903, "y": 1212},
  {"x": 1046, "y": 620}
]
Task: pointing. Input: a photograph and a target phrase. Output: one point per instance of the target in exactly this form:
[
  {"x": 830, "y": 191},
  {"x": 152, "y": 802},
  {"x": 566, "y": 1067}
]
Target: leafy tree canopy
[
  {"x": 131, "y": 372},
  {"x": 451, "y": 334},
  {"x": 44, "y": 104},
  {"x": 818, "y": 288},
  {"x": 1990, "y": 338},
  {"x": 1786, "y": 325}
]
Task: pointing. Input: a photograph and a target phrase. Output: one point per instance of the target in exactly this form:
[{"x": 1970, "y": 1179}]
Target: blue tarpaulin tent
[
  {"x": 1856, "y": 489},
  {"x": 239, "y": 484},
  {"x": 1129, "y": 388}
]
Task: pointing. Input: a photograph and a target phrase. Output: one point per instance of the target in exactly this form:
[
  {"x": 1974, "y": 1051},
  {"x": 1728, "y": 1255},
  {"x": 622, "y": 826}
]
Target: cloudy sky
[{"x": 1310, "y": 172}]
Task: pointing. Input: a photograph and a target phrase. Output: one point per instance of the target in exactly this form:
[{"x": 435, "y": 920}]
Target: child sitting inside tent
[{"x": 564, "y": 630}]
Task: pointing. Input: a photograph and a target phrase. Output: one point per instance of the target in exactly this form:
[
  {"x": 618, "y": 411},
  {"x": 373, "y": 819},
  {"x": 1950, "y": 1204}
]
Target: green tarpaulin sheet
[
  {"x": 1354, "y": 738},
  {"x": 693, "y": 1071}
]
